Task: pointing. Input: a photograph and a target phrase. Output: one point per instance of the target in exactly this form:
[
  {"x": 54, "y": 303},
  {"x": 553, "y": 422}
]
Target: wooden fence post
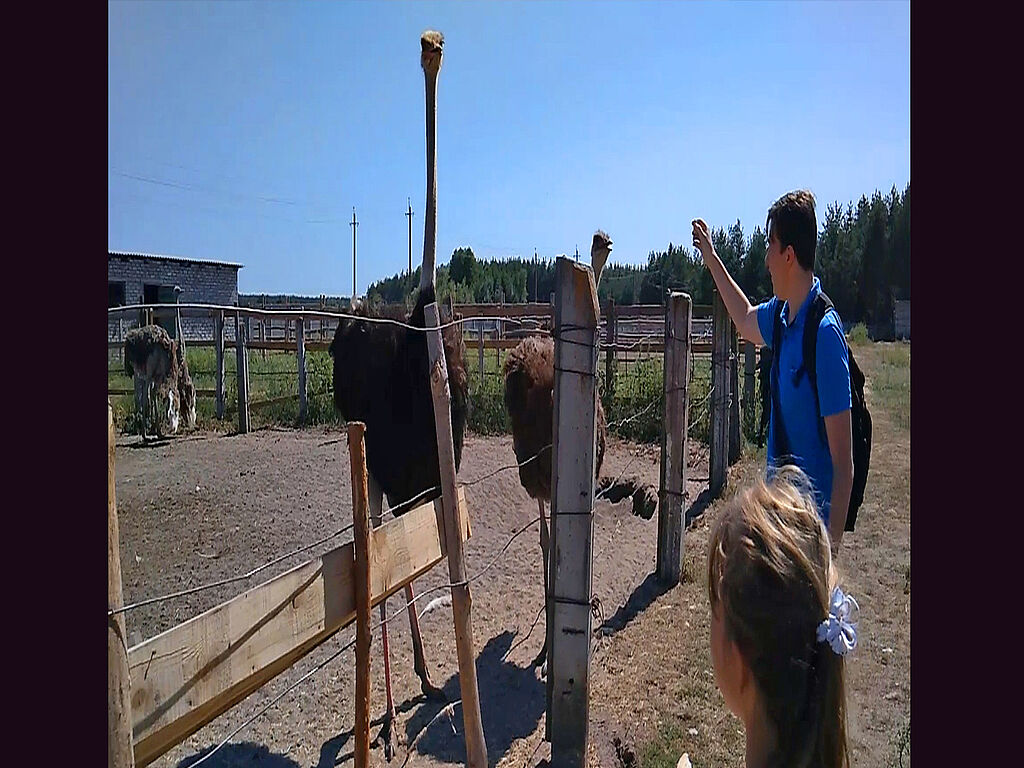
[
  {"x": 361, "y": 541},
  {"x": 749, "y": 368},
  {"x": 572, "y": 511},
  {"x": 120, "y": 753},
  {"x": 300, "y": 353},
  {"x": 480, "y": 348},
  {"x": 476, "y": 748},
  {"x": 671, "y": 524},
  {"x": 218, "y": 344},
  {"x": 734, "y": 395},
  {"x": 242, "y": 365},
  {"x": 719, "y": 437},
  {"x": 609, "y": 356}
]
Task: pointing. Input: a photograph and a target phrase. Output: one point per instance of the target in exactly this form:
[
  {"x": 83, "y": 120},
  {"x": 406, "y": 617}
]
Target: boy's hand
[{"x": 702, "y": 239}]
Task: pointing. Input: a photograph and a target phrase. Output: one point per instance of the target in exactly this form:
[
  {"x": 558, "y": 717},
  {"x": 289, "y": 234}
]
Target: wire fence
[
  {"x": 500, "y": 556},
  {"x": 630, "y": 379}
]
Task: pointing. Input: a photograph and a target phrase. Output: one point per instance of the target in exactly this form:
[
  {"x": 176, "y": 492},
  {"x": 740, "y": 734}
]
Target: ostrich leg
[
  {"x": 141, "y": 403},
  {"x": 545, "y": 539},
  {"x": 376, "y": 505},
  {"x": 430, "y": 690}
]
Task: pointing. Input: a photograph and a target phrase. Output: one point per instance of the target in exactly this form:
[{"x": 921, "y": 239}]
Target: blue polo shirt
[{"x": 833, "y": 373}]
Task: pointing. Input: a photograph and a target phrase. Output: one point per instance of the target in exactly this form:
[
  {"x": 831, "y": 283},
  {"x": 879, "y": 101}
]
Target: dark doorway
[{"x": 160, "y": 294}]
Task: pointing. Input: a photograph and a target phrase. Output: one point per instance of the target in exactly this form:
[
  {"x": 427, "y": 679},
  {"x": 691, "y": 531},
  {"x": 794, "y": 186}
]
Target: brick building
[{"x": 142, "y": 278}]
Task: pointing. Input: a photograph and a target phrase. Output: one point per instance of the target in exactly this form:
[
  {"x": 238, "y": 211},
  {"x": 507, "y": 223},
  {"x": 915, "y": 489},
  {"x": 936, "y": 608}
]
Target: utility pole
[
  {"x": 409, "y": 213},
  {"x": 354, "y": 224},
  {"x": 577, "y": 253}
]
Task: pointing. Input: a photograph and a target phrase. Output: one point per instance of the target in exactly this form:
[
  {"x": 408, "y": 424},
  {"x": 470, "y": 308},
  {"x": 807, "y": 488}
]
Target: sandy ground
[{"x": 198, "y": 508}]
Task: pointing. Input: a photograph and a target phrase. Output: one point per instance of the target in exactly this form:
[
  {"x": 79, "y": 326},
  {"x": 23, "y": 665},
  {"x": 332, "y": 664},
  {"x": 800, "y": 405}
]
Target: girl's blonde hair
[{"x": 770, "y": 573}]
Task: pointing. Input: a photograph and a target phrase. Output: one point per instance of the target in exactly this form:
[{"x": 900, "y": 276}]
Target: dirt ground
[{"x": 204, "y": 507}]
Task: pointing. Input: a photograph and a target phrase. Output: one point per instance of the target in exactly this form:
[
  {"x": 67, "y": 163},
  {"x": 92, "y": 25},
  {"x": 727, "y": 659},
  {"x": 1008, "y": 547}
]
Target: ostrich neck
[{"x": 427, "y": 277}]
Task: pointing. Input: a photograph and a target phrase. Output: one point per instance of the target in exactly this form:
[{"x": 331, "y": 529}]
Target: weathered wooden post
[
  {"x": 609, "y": 355},
  {"x": 719, "y": 437},
  {"x": 734, "y": 395},
  {"x": 120, "y": 753},
  {"x": 242, "y": 365},
  {"x": 671, "y": 523},
  {"x": 480, "y": 349},
  {"x": 361, "y": 541},
  {"x": 749, "y": 368},
  {"x": 218, "y": 345},
  {"x": 300, "y": 353},
  {"x": 572, "y": 512},
  {"x": 451, "y": 525}
]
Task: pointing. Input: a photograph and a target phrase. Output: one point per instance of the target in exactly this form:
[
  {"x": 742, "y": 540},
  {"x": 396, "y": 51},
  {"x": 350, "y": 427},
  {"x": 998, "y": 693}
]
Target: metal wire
[{"x": 250, "y": 574}]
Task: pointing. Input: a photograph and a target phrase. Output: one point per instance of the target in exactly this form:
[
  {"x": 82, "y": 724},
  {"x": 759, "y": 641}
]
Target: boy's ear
[{"x": 789, "y": 254}]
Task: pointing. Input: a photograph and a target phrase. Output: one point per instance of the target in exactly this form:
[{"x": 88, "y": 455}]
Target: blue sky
[{"x": 247, "y": 131}]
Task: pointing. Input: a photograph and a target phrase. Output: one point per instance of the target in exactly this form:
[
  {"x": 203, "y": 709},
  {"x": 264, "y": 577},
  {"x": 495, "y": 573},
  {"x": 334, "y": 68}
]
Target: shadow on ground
[
  {"x": 247, "y": 754},
  {"x": 512, "y": 700}
]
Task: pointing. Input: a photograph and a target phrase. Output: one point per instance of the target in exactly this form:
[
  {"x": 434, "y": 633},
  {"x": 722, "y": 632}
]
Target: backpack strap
[
  {"x": 781, "y": 438},
  {"x": 815, "y": 314}
]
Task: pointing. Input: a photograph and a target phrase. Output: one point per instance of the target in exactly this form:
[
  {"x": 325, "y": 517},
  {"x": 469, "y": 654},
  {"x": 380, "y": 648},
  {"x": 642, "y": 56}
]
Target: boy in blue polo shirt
[{"x": 792, "y": 237}]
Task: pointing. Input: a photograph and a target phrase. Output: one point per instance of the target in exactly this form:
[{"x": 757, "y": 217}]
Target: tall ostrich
[
  {"x": 381, "y": 377},
  {"x": 529, "y": 398},
  {"x": 151, "y": 357}
]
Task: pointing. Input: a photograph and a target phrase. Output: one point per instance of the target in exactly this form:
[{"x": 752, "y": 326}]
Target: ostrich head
[
  {"x": 431, "y": 43},
  {"x": 599, "y": 252}
]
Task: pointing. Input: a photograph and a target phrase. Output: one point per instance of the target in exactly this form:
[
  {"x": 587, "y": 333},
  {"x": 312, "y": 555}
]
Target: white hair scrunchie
[{"x": 837, "y": 630}]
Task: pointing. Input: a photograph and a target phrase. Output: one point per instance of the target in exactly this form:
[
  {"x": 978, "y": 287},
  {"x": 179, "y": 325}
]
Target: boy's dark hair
[{"x": 795, "y": 224}]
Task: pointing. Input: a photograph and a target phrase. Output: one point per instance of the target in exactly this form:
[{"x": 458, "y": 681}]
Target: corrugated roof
[{"x": 172, "y": 258}]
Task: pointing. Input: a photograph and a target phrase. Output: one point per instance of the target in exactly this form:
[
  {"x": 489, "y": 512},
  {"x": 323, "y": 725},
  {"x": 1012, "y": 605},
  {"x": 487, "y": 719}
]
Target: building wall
[{"x": 200, "y": 284}]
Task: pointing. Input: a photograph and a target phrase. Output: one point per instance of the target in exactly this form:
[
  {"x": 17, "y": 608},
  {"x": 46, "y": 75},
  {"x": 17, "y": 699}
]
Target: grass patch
[
  {"x": 890, "y": 381},
  {"x": 859, "y": 334}
]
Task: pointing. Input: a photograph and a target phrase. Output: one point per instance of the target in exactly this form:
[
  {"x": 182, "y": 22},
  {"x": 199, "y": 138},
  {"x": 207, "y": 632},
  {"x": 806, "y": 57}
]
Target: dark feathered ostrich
[
  {"x": 156, "y": 362},
  {"x": 529, "y": 398},
  {"x": 381, "y": 377}
]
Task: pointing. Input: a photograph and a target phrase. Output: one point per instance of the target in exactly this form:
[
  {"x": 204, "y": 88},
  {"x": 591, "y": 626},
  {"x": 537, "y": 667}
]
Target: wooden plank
[
  {"x": 218, "y": 341},
  {"x": 300, "y": 354},
  {"x": 572, "y": 512},
  {"x": 719, "y": 437},
  {"x": 361, "y": 574},
  {"x": 119, "y": 704},
  {"x": 610, "y": 339},
  {"x": 671, "y": 524},
  {"x": 749, "y": 369},
  {"x": 242, "y": 372},
  {"x": 503, "y": 310},
  {"x": 476, "y": 748},
  {"x": 185, "y": 677},
  {"x": 734, "y": 395}
]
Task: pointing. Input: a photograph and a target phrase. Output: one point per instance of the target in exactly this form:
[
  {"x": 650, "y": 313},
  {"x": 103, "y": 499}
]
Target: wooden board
[{"x": 185, "y": 677}]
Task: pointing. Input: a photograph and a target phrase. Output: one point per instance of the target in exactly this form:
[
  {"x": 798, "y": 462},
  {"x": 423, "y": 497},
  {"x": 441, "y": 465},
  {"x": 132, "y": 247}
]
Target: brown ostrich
[
  {"x": 381, "y": 377},
  {"x": 529, "y": 398},
  {"x": 156, "y": 363}
]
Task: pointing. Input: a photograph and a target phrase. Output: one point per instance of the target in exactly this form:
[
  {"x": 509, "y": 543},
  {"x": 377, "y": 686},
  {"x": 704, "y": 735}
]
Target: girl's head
[{"x": 770, "y": 579}]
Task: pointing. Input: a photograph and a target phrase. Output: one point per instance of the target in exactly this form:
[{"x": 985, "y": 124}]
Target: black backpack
[{"x": 860, "y": 419}]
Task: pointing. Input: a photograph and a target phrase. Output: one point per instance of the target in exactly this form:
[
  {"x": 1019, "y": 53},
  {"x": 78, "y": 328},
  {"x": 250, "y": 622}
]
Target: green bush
[{"x": 859, "y": 334}]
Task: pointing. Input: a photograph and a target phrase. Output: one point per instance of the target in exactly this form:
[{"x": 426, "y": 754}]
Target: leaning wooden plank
[{"x": 185, "y": 677}]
